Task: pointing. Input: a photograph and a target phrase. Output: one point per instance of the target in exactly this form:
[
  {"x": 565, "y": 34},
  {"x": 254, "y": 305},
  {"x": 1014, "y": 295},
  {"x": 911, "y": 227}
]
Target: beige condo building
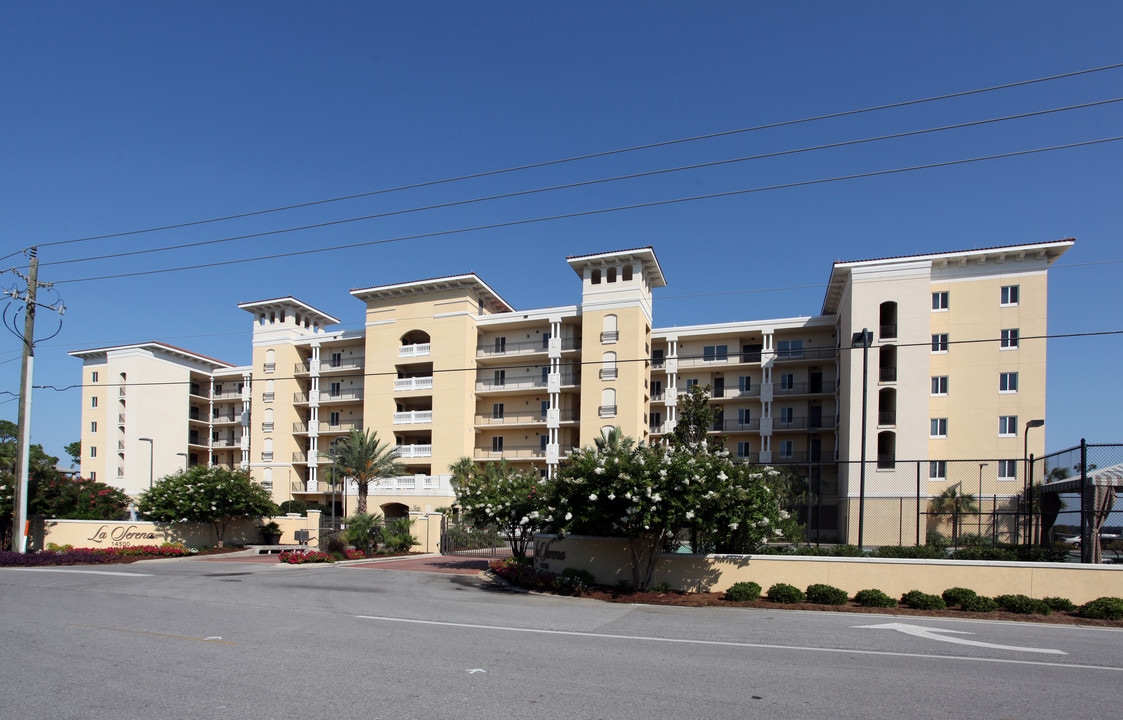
[{"x": 952, "y": 368}]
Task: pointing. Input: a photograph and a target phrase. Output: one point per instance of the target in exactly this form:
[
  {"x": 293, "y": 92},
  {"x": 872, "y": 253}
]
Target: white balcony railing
[
  {"x": 414, "y": 451},
  {"x": 415, "y": 350},
  {"x": 413, "y": 383},
  {"x": 413, "y": 417}
]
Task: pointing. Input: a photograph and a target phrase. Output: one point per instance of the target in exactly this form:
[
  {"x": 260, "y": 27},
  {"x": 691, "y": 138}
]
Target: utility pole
[{"x": 23, "y": 469}]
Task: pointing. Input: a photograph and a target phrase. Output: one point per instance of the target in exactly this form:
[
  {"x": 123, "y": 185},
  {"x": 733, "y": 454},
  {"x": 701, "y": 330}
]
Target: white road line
[
  {"x": 80, "y": 572},
  {"x": 723, "y": 643}
]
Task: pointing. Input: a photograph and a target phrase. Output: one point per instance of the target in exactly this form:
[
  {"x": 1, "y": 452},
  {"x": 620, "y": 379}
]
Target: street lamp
[
  {"x": 980, "y": 498},
  {"x": 184, "y": 456},
  {"x": 863, "y": 339},
  {"x": 151, "y": 454},
  {"x": 1027, "y": 484}
]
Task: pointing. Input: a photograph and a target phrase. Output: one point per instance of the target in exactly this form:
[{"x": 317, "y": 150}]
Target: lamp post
[
  {"x": 151, "y": 454},
  {"x": 1027, "y": 481},
  {"x": 184, "y": 456},
  {"x": 980, "y": 498},
  {"x": 863, "y": 339}
]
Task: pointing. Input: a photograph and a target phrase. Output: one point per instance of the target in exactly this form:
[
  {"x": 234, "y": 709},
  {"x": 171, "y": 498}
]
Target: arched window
[
  {"x": 887, "y": 324},
  {"x": 608, "y": 403},
  {"x": 267, "y": 424},
  {"x": 610, "y": 333},
  {"x": 627, "y": 273},
  {"x": 267, "y": 450},
  {"x": 270, "y": 360},
  {"x": 267, "y": 479},
  {"x": 608, "y": 366},
  {"x": 612, "y": 274},
  {"x": 887, "y": 363},
  {"x": 886, "y": 450},
  {"x": 887, "y": 406},
  {"x": 594, "y": 276}
]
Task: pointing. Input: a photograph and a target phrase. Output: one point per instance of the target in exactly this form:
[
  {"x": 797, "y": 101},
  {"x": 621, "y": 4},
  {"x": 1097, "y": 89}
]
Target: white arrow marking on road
[
  {"x": 932, "y": 634},
  {"x": 476, "y": 670}
]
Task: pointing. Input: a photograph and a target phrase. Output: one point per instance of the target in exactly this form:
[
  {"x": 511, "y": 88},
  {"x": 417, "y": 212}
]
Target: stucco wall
[{"x": 607, "y": 559}]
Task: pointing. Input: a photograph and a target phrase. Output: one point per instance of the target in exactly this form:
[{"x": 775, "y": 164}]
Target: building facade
[{"x": 927, "y": 359}]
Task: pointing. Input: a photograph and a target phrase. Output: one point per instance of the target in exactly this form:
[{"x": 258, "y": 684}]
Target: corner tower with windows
[{"x": 616, "y": 321}]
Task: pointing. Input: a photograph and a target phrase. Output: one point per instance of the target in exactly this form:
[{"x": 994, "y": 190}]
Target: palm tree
[
  {"x": 614, "y": 440},
  {"x": 363, "y": 458},
  {"x": 955, "y": 502}
]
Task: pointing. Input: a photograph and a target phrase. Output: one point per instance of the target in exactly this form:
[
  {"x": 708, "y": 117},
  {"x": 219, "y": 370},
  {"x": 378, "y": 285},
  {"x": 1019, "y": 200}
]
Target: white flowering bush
[
  {"x": 500, "y": 495},
  {"x": 206, "y": 495},
  {"x": 649, "y": 494}
]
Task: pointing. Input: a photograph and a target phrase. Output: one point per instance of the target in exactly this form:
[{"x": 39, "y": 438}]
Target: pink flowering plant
[
  {"x": 648, "y": 495},
  {"x": 298, "y": 557}
]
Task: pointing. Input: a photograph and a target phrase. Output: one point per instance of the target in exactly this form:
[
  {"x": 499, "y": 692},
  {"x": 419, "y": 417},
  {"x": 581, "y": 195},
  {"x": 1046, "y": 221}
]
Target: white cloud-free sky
[{"x": 120, "y": 116}]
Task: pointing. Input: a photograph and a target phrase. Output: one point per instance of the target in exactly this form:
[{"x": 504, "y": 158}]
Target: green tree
[
  {"x": 78, "y": 498},
  {"x": 42, "y": 471},
  {"x": 74, "y": 450},
  {"x": 207, "y": 495},
  {"x": 696, "y": 418},
  {"x": 956, "y": 503},
  {"x": 502, "y": 495},
  {"x": 649, "y": 494},
  {"x": 362, "y": 457}
]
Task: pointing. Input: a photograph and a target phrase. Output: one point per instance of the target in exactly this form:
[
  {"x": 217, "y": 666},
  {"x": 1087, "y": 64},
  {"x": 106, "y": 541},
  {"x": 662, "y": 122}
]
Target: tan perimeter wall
[
  {"x": 96, "y": 533},
  {"x": 607, "y": 559}
]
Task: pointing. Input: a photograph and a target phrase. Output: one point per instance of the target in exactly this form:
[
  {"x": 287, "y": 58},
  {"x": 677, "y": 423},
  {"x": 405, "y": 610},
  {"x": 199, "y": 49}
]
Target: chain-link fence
[{"x": 967, "y": 502}]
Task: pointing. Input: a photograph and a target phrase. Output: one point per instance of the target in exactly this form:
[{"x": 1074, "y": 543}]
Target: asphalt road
[{"x": 199, "y": 639}]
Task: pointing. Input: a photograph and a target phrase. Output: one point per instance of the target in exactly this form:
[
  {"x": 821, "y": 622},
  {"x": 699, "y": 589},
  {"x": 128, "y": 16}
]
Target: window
[
  {"x": 691, "y": 382},
  {"x": 500, "y": 378},
  {"x": 626, "y": 273},
  {"x": 333, "y": 419},
  {"x": 93, "y": 427},
  {"x": 93, "y": 402},
  {"x": 744, "y": 449},
  {"x": 93, "y": 476},
  {"x": 93, "y": 451},
  {"x": 656, "y": 388},
  {"x": 335, "y": 390},
  {"x": 744, "y": 416},
  {"x": 787, "y": 415},
  {"x": 940, "y": 300},
  {"x": 542, "y": 441},
  {"x": 715, "y": 353},
  {"x": 886, "y": 450},
  {"x": 1008, "y": 426},
  {"x": 497, "y": 444},
  {"x": 787, "y": 449},
  {"x": 1010, "y": 294},
  {"x": 608, "y": 366},
  {"x": 544, "y": 408},
  {"x": 611, "y": 275},
  {"x": 93, "y": 376},
  {"x": 789, "y": 349},
  {"x": 745, "y": 383},
  {"x": 939, "y": 384},
  {"x": 787, "y": 381},
  {"x": 1009, "y": 339},
  {"x": 940, "y": 342},
  {"x": 939, "y": 428},
  {"x": 1008, "y": 382},
  {"x": 938, "y": 470},
  {"x": 545, "y": 341},
  {"x": 656, "y": 422},
  {"x": 608, "y": 403},
  {"x": 611, "y": 331},
  {"x": 497, "y": 411},
  {"x": 337, "y": 360},
  {"x": 594, "y": 276},
  {"x": 657, "y": 358},
  {"x": 500, "y": 345},
  {"x": 1007, "y": 469}
]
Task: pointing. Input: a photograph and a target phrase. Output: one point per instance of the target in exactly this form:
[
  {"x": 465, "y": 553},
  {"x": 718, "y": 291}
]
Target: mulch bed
[{"x": 685, "y": 599}]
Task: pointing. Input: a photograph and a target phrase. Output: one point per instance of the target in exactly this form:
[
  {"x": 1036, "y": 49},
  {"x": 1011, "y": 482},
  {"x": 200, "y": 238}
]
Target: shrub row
[
  {"x": 66, "y": 555},
  {"x": 932, "y": 551}
]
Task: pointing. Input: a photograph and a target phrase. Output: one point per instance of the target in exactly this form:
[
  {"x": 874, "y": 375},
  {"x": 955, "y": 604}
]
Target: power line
[
  {"x": 600, "y": 181},
  {"x": 594, "y": 155},
  {"x": 579, "y": 363},
  {"x": 577, "y": 214}
]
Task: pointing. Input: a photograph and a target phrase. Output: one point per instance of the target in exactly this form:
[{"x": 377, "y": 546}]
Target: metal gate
[{"x": 458, "y": 538}]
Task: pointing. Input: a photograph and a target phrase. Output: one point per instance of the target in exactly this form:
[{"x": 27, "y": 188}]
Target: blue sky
[{"x": 121, "y": 116}]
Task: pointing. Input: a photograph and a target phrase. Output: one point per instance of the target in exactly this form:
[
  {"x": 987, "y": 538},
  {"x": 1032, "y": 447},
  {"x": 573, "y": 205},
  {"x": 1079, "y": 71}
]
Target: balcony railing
[
  {"x": 520, "y": 382},
  {"x": 887, "y": 374},
  {"x": 887, "y": 418},
  {"x": 887, "y": 332},
  {"x": 413, "y": 417},
  {"x": 607, "y": 411},
  {"x": 608, "y": 373},
  {"x": 326, "y": 396},
  {"x": 351, "y": 363},
  {"x": 529, "y": 347},
  {"x": 748, "y": 425},
  {"x": 415, "y": 350},
  {"x": 414, "y": 451},
  {"x": 526, "y": 451},
  {"x": 807, "y": 354},
  {"x": 413, "y": 383},
  {"x": 340, "y": 426},
  {"x": 610, "y": 336},
  {"x": 516, "y": 418},
  {"x": 805, "y": 388}
]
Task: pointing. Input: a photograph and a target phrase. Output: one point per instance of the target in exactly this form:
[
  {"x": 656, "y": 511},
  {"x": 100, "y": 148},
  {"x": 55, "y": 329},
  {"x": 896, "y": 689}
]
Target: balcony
[
  {"x": 351, "y": 363},
  {"x": 887, "y": 332},
  {"x": 748, "y": 425},
  {"x": 341, "y": 396},
  {"x": 806, "y": 354},
  {"x": 525, "y": 382},
  {"x": 530, "y": 347},
  {"x": 344, "y": 426},
  {"x": 608, "y": 373},
  {"x": 523, "y": 418},
  {"x": 414, "y": 451},
  {"x": 805, "y": 388},
  {"x": 526, "y": 452},
  {"x": 887, "y": 374},
  {"x": 887, "y": 418},
  {"x": 411, "y": 384},
  {"x": 415, "y": 350},
  {"x": 413, "y": 417},
  {"x": 607, "y": 411},
  {"x": 610, "y": 336}
]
